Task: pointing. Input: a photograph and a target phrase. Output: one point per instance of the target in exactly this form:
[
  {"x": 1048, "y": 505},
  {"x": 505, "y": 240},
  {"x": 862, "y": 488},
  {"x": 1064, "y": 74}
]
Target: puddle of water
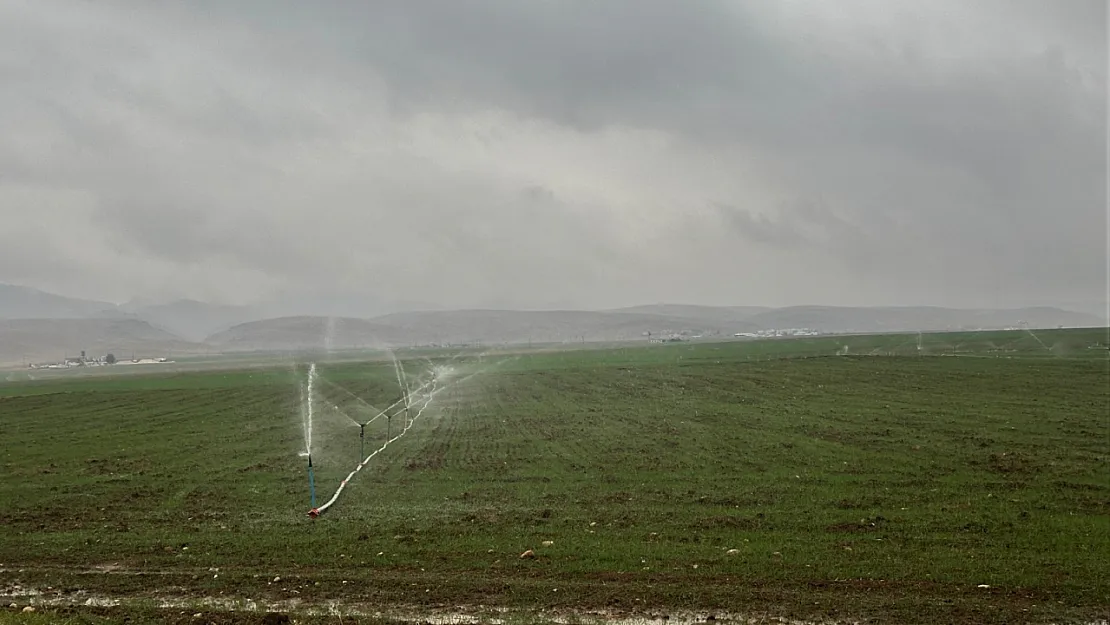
[
  {"x": 415, "y": 615},
  {"x": 476, "y": 616}
]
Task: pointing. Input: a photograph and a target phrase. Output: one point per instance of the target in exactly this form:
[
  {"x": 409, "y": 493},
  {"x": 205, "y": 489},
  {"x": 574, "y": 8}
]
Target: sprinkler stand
[{"x": 311, "y": 482}]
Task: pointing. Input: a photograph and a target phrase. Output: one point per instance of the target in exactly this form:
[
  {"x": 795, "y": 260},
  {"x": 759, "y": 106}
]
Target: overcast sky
[{"x": 544, "y": 153}]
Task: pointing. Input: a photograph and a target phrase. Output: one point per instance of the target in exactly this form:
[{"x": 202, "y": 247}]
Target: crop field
[{"x": 938, "y": 478}]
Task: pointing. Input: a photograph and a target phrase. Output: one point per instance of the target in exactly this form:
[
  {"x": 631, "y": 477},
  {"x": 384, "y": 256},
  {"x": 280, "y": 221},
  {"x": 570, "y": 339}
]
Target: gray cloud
[{"x": 492, "y": 152}]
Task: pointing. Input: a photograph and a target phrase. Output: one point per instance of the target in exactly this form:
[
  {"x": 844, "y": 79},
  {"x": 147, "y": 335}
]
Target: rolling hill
[
  {"x": 21, "y": 302},
  {"x": 51, "y": 340},
  {"x": 459, "y": 327},
  {"x": 195, "y": 320},
  {"x": 38, "y": 326},
  {"x": 720, "y": 314},
  {"x": 507, "y": 326},
  {"x": 190, "y": 319},
  {"x": 304, "y": 333}
]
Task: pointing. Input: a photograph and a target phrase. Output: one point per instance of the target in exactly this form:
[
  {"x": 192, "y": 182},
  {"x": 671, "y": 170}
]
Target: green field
[{"x": 935, "y": 478}]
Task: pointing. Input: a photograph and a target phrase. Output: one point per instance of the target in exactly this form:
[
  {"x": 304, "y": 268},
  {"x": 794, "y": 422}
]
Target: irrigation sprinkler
[
  {"x": 317, "y": 511},
  {"x": 361, "y": 440},
  {"x": 426, "y": 392},
  {"x": 408, "y": 405},
  {"x": 311, "y": 482}
]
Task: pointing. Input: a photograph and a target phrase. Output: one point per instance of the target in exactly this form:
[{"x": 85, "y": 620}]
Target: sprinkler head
[
  {"x": 313, "y": 513},
  {"x": 310, "y": 461},
  {"x": 362, "y": 430}
]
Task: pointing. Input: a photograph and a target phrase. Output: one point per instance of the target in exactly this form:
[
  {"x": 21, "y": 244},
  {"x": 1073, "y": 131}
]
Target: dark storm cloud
[
  {"x": 476, "y": 151},
  {"x": 585, "y": 64}
]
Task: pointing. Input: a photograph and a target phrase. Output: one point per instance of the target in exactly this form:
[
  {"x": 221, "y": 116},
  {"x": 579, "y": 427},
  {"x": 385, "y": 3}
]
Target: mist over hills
[
  {"x": 52, "y": 340},
  {"x": 187, "y": 319},
  {"x": 21, "y": 302},
  {"x": 509, "y": 326},
  {"x": 689, "y": 311},
  {"x": 305, "y": 333},
  {"x": 471, "y": 327},
  {"x": 492, "y": 327},
  {"x": 37, "y": 326},
  {"x": 195, "y": 320}
]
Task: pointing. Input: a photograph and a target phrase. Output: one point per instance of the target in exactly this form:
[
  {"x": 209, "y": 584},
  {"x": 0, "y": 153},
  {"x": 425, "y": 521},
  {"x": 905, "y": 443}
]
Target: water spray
[
  {"x": 428, "y": 391},
  {"x": 347, "y": 392},
  {"x": 403, "y": 384},
  {"x": 317, "y": 511},
  {"x": 307, "y": 408},
  {"x": 1038, "y": 339}
]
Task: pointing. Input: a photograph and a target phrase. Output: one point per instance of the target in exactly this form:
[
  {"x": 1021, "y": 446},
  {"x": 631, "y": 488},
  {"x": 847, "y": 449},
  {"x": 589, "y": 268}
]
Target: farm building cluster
[{"x": 84, "y": 360}]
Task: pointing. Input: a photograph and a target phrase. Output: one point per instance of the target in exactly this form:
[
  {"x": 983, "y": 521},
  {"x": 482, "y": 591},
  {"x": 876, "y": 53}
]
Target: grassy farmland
[{"x": 896, "y": 481}]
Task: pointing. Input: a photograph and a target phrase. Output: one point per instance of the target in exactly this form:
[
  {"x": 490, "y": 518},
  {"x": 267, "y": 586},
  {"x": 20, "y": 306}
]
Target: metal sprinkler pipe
[
  {"x": 317, "y": 511},
  {"x": 408, "y": 406},
  {"x": 435, "y": 389},
  {"x": 311, "y": 482}
]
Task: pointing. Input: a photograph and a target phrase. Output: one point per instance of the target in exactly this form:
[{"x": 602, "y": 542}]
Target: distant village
[
  {"x": 97, "y": 361},
  {"x": 770, "y": 334},
  {"x": 760, "y": 334}
]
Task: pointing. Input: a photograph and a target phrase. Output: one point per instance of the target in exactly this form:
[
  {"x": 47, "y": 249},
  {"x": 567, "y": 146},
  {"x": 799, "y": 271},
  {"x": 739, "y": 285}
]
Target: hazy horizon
[
  {"x": 379, "y": 309},
  {"x": 575, "y": 156}
]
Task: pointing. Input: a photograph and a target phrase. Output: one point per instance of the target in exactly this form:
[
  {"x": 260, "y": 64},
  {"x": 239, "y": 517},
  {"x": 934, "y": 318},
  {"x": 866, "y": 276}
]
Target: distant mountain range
[
  {"x": 21, "y": 302},
  {"x": 52, "y": 340},
  {"x": 186, "y": 319},
  {"x": 37, "y": 326},
  {"x": 705, "y": 313}
]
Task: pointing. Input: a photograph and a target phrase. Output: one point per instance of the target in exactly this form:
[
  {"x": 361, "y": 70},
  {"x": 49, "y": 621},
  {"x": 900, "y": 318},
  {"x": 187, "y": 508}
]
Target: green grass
[{"x": 852, "y": 486}]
